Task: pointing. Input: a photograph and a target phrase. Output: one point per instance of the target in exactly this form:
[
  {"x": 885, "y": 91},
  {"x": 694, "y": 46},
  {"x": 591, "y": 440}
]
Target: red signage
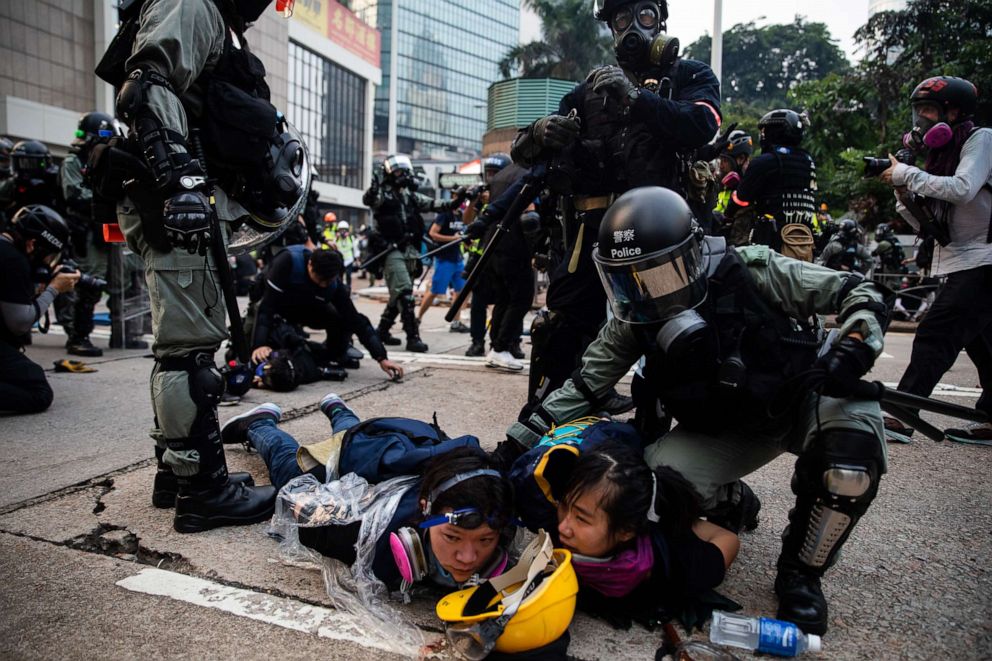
[{"x": 338, "y": 24}]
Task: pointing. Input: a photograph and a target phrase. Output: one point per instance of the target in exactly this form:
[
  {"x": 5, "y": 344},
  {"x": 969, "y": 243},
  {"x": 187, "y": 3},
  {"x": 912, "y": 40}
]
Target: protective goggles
[
  {"x": 645, "y": 13},
  {"x": 652, "y": 288},
  {"x": 468, "y": 518},
  {"x": 103, "y": 133}
]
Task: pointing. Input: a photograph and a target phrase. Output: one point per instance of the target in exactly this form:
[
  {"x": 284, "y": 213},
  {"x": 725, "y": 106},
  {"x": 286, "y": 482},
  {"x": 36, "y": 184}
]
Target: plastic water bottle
[{"x": 762, "y": 634}]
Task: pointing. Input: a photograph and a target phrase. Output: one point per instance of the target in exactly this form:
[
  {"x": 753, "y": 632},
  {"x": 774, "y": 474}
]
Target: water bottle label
[{"x": 777, "y": 637}]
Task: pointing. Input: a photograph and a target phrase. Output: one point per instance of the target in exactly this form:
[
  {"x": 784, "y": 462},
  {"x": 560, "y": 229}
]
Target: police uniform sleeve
[
  {"x": 690, "y": 120},
  {"x": 801, "y": 290},
  {"x": 74, "y": 191},
  {"x": 176, "y": 40},
  {"x": 604, "y": 363}
]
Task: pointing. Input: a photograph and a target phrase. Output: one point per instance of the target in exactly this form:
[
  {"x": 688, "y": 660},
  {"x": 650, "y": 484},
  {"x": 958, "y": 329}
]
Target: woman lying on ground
[
  {"x": 451, "y": 526},
  {"x": 638, "y": 546}
]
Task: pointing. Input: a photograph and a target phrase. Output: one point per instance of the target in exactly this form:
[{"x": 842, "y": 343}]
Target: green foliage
[
  {"x": 761, "y": 65},
  {"x": 574, "y": 42}
]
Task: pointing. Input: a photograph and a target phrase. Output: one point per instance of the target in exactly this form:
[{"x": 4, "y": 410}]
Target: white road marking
[{"x": 279, "y": 611}]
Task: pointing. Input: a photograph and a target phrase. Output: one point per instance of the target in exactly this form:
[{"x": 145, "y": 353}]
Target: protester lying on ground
[
  {"x": 452, "y": 525},
  {"x": 639, "y": 548},
  {"x": 304, "y": 288}
]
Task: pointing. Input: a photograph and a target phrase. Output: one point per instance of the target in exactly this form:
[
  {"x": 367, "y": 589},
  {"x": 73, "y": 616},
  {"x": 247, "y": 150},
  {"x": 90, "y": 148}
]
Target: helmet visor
[{"x": 652, "y": 288}]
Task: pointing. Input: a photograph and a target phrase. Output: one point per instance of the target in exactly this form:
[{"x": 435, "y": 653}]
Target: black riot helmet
[
  {"x": 36, "y": 221},
  {"x": 947, "y": 92},
  {"x": 650, "y": 257},
  {"x": 30, "y": 158},
  {"x": 399, "y": 170},
  {"x": 884, "y": 232},
  {"x": 849, "y": 230},
  {"x": 635, "y": 24},
  {"x": 6, "y": 145},
  {"x": 781, "y": 127},
  {"x": 93, "y": 126},
  {"x": 739, "y": 143}
]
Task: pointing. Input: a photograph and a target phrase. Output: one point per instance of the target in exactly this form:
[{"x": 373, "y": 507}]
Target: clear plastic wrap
[{"x": 305, "y": 502}]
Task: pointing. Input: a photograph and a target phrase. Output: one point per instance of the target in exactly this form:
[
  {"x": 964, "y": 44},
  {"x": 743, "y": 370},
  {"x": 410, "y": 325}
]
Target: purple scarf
[{"x": 619, "y": 575}]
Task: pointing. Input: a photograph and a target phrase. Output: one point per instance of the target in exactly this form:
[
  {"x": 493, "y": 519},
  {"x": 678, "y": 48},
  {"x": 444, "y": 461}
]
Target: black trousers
[
  {"x": 325, "y": 318},
  {"x": 513, "y": 289},
  {"x": 960, "y": 318},
  {"x": 23, "y": 386}
]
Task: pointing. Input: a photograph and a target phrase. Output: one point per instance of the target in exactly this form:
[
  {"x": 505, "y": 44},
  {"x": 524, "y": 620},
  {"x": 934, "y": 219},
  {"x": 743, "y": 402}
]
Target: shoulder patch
[{"x": 759, "y": 255}]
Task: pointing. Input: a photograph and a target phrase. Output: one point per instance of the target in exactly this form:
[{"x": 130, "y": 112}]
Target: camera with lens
[
  {"x": 876, "y": 166},
  {"x": 85, "y": 279}
]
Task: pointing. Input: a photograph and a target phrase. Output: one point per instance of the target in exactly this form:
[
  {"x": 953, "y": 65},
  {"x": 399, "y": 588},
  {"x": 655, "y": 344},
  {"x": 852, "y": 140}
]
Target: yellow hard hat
[{"x": 526, "y": 608}]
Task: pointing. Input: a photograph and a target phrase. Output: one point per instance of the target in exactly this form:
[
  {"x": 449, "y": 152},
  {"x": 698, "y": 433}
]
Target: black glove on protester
[
  {"x": 555, "y": 131},
  {"x": 846, "y": 362},
  {"x": 186, "y": 220}
]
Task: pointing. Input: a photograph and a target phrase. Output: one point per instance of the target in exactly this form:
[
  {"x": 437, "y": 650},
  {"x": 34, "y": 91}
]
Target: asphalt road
[{"x": 90, "y": 570}]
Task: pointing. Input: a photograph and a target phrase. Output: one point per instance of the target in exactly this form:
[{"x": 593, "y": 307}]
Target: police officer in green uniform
[
  {"x": 633, "y": 124},
  {"x": 396, "y": 207},
  {"x": 185, "y": 65},
  {"x": 731, "y": 357}
]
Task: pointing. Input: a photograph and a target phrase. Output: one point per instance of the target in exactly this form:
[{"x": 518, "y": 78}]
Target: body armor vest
[
  {"x": 772, "y": 346},
  {"x": 397, "y": 219},
  {"x": 793, "y": 198}
]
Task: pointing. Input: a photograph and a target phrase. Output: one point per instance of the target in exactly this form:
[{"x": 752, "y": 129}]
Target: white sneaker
[{"x": 503, "y": 359}]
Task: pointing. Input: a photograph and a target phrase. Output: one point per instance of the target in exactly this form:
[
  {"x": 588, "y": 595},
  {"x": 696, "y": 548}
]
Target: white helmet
[{"x": 343, "y": 225}]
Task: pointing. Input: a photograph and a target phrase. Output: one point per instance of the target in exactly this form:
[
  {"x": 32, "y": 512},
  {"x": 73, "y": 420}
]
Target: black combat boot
[
  {"x": 81, "y": 346},
  {"x": 166, "y": 485},
  {"x": 385, "y": 323},
  {"x": 477, "y": 349},
  {"x": 410, "y": 326}
]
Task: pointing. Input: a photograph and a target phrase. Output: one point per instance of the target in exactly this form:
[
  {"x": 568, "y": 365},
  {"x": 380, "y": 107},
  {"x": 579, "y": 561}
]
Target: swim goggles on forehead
[
  {"x": 455, "y": 480},
  {"x": 468, "y": 518}
]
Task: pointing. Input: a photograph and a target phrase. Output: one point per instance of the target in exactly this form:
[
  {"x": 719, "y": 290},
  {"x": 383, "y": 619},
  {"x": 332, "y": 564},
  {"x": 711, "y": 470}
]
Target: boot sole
[
  {"x": 191, "y": 523},
  {"x": 505, "y": 367},
  {"x": 165, "y": 500}
]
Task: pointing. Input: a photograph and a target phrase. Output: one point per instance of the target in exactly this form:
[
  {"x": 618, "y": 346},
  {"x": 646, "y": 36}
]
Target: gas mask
[
  {"x": 635, "y": 27},
  {"x": 926, "y": 133},
  {"x": 689, "y": 343}
]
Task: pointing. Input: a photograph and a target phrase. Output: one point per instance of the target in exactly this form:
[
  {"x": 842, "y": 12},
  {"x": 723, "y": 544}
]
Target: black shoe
[
  {"x": 416, "y": 345},
  {"x": 477, "y": 349},
  {"x": 83, "y": 347},
  {"x": 801, "y": 600},
  {"x": 346, "y": 362},
  {"x": 166, "y": 486},
  {"x": 458, "y": 327},
  {"x": 614, "y": 403},
  {"x": 354, "y": 353},
  {"x": 389, "y": 338},
  {"x": 229, "y": 505},
  {"x": 330, "y": 373},
  {"x": 516, "y": 351},
  {"x": 740, "y": 516},
  {"x": 235, "y": 430}
]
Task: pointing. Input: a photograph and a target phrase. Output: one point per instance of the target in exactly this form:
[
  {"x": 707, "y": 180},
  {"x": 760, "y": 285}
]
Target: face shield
[{"x": 650, "y": 289}]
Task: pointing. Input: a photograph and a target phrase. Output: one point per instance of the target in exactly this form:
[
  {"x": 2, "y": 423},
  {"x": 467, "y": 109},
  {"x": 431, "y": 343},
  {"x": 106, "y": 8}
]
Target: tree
[
  {"x": 574, "y": 43},
  {"x": 760, "y": 65}
]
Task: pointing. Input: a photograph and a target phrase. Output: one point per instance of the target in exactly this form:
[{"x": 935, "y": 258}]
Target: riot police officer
[
  {"x": 184, "y": 70},
  {"x": 891, "y": 256},
  {"x": 775, "y": 202},
  {"x": 633, "y": 124},
  {"x": 398, "y": 232},
  {"x": 33, "y": 177},
  {"x": 731, "y": 356},
  {"x": 845, "y": 252}
]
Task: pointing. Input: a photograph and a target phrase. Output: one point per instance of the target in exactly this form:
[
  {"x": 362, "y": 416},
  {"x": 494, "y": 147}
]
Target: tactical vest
[
  {"x": 847, "y": 259},
  {"x": 397, "y": 220},
  {"x": 298, "y": 276},
  {"x": 792, "y": 199},
  {"x": 772, "y": 346}
]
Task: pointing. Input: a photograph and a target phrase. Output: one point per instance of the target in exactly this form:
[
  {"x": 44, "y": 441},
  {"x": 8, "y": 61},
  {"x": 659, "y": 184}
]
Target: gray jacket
[
  {"x": 798, "y": 288},
  {"x": 969, "y": 222}
]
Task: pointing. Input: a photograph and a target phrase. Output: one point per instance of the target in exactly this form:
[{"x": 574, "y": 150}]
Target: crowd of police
[{"x": 669, "y": 245}]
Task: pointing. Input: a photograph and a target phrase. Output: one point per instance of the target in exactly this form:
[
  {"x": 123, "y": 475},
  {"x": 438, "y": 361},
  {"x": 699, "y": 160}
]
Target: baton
[
  {"x": 524, "y": 197},
  {"x": 899, "y": 403},
  {"x": 364, "y": 265},
  {"x": 224, "y": 274},
  {"x": 456, "y": 242}
]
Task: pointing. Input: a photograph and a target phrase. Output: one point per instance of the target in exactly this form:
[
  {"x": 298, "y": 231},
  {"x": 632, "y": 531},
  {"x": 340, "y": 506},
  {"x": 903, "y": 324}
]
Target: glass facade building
[{"x": 447, "y": 55}]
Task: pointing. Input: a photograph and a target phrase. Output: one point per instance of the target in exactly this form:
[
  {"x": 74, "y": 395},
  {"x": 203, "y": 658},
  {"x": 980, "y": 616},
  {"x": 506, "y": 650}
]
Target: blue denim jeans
[{"x": 278, "y": 449}]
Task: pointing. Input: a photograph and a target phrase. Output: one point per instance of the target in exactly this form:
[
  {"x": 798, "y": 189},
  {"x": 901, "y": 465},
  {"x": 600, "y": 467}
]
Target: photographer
[
  {"x": 33, "y": 243},
  {"x": 956, "y": 181}
]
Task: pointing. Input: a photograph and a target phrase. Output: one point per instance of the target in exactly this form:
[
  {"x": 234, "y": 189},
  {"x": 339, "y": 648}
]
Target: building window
[{"x": 327, "y": 105}]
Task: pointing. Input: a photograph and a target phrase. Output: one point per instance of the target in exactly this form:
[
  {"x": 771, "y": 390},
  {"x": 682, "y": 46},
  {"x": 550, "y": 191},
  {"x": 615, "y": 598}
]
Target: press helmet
[
  {"x": 739, "y": 143},
  {"x": 343, "y": 225},
  {"x": 494, "y": 163},
  {"x": 36, "y": 221},
  {"x": 782, "y": 127},
  {"x": 947, "y": 92},
  {"x": 649, "y": 256}
]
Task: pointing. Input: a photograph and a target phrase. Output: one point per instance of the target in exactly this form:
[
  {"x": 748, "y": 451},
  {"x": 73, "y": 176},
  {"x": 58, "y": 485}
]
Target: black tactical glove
[
  {"x": 505, "y": 454},
  {"x": 475, "y": 230},
  {"x": 186, "y": 221},
  {"x": 723, "y": 139},
  {"x": 613, "y": 81},
  {"x": 844, "y": 365},
  {"x": 555, "y": 131}
]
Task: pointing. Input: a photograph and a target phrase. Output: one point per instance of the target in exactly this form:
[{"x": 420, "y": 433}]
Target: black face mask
[
  {"x": 634, "y": 28},
  {"x": 251, "y": 10}
]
